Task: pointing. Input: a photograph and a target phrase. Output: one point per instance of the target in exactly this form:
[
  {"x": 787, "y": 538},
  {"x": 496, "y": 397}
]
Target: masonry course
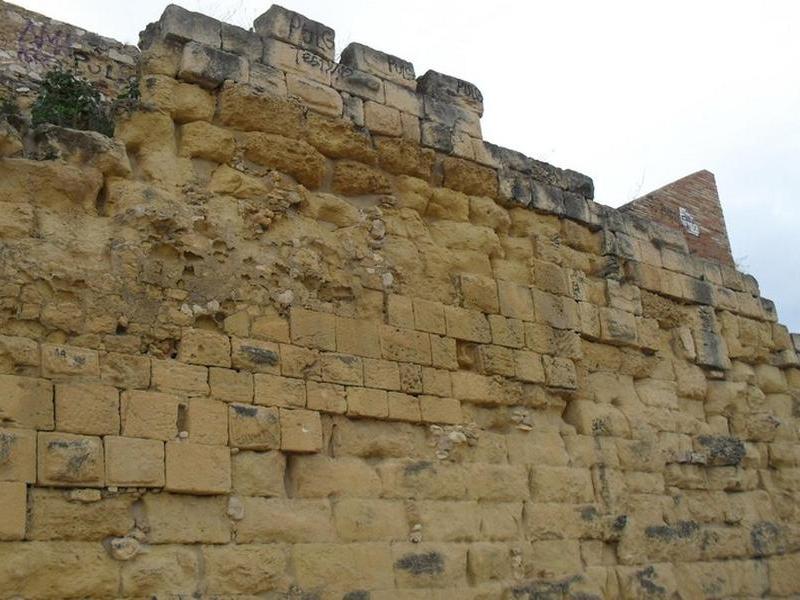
[{"x": 298, "y": 331}]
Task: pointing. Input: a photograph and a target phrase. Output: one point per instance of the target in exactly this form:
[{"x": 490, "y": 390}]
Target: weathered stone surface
[
  {"x": 297, "y": 30},
  {"x": 380, "y": 64},
  {"x": 70, "y": 460},
  {"x": 294, "y": 157}
]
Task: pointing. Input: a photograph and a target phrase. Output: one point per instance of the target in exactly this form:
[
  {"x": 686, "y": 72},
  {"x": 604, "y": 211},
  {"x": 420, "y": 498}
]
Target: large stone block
[
  {"x": 87, "y": 408},
  {"x": 183, "y": 25},
  {"x": 293, "y": 521},
  {"x": 26, "y": 402},
  {"x": 150, "y": 414},
  {"x": 297, "y": 30},
  {"x": 13, "y": 510},
  {"x": 247, "y": 108},
  {"x": 197, "y": 468},
  {"x": 134, "y": 462},
  {"x": 254, "y": 427},
  {"x": 258, "y": 473},
  {"x": 18, "y": 455},
  {"x": 343, "y": 567},
  {"x": 65, "y": 564},
  {"x": 380, "y": 64},
  {"x": 63, "y": 515},
  {"x": 66, "y": 460},
  {"x": 167, "y": 516},
  {"x": 451, "y": 90},
  {"x": 301, "y": 430},
  {"x": 245, "y": 569},
  {"x": 210, "y": 68}
]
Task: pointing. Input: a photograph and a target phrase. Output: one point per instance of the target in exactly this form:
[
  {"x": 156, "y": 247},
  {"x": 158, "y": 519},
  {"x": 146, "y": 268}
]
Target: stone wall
[
  {"x": 32, "y": 44},
  {"x": 298, "y": 332}
]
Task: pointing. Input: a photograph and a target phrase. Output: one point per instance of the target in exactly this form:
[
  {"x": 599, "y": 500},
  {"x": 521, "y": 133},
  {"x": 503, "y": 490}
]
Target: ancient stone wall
[
  {"x": 32, "y": 44},
  {"x": 298, "y": 332}
]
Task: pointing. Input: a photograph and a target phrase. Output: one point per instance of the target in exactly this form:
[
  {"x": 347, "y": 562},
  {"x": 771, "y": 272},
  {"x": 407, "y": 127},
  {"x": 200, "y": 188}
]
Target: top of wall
[
  {"x": 290, "y": 55},
  {"x": 32, "y": 44}
]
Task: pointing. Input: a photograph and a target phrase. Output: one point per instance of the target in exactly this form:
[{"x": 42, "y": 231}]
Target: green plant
[
  {"x": 8, "y": 108},
  {"x": 69, "y": 101}
]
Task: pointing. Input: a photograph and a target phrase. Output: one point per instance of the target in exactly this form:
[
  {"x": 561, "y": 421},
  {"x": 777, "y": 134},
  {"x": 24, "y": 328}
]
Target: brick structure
[
  {"x": 690, "y": 205},
  {"x": 297, "y": 331}
]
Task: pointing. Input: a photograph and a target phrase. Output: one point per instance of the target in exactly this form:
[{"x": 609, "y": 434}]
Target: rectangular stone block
[
  {"x": 87, "y": 408},
  {"x": 366, "y": 402},
  {"x": 301, "y": 430},
  {"x": 319, "y": 476},
  {"x": 403, "y": 407},
  {"x": 205, "y": 421},
  {"x": 452, "y": 90},
  {"x": 167, "y": 516},
  {"x": 358, "y": 83},
  {"x": 381, "y": 374},
  {"x": 326, "y": 397},
  {"x": 230, "y": 385},
  {"x": 343, "y": 567},
  {"x": 274, "y": 390},
  {"x": 258, "y": 473},
  {"x": 430, "y": 565},
  {"x": 244, "y": 569},
  {"x": 173, "y": 376},
  {"x": 341, "y": 368},
  {"x": 240, "y": 41},
  {"x": 125, "y": 370},
  {"x": 150, "y": 414},
  {"x": 255, "y": 355},
  {"x": 429, "y": 316},
  {"x": 254, "y": 427},
  {"x": 382, "y": 119},
  {"x": 198, "y": 468},
  {"x": 183, "y": 25},
  {"x": 316, "y": 96},
  {"x": 134, "y": 462},
  {"x": 405, "y": 345},
  {"x": 313, "y": 329},
  {"x": 561, "y": 484},
  {"x": 201, "y": 347},
  {"x": 209, "y": 67},
  {"x": 66, "y": 460},
  {"x": 380, "y": 64},
  {"x": 434, "y": 409},
  {"x": 468, "y": 325},
  {"x": 297, "y": 30},
  {"x": 516, "y": 300},
  {"x": 18, "y": 455},
  {"x": 13, "y": 510},
  {"x": 79, "y": 515},
  {"x": 26, "y": 402},
  {"x": 60, "y": 361},
  {"x": 303, "y": 62},
  {"x": 286, "y": 521},
  {"x": 358, "y": 336}
]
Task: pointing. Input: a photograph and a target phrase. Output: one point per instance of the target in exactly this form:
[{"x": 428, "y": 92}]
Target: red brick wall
[{"x": 697, "y": 193}]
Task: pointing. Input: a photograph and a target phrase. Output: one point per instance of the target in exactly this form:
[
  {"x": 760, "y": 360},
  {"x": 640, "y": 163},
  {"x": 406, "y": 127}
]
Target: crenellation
[{"x": 299, "y": 330}]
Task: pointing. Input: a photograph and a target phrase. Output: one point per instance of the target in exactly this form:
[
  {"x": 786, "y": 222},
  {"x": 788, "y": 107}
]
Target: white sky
[{"x": 633, "y": 93}]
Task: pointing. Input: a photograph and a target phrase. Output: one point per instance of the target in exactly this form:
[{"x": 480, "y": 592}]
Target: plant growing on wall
[{"x": 69, "y": 101}]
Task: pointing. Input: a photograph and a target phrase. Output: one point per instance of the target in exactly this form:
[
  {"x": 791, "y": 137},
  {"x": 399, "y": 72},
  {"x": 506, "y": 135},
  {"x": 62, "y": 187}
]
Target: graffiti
[
  {"x": 37, "y": 43},
  {"x": 325, "y": 66}
]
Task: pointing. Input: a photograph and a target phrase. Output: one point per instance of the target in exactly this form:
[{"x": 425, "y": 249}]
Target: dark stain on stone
[
  {"x": 620, "y": 522},
  {"x": 722, "y": 450},
  {"x": 6, "y": 443},
  {"x": 245, "y": 411},
  {"x": 588, "y": 513},
  {"x": 356, "y": 595},
  {"x": 766, "y": 538},
  {"x": 260, "y": 356},
  {"x": 645, "y": 579},
  {"x": 427, "y": 563},
  {"x": 550, "y": 590},
  {"x": 417, "y": 467},
  {"x": 681, "y": 530}
]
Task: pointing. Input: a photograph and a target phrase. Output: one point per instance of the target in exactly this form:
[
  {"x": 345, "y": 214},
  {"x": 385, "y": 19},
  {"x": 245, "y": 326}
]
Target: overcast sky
[{"x": 635, "y": 94}]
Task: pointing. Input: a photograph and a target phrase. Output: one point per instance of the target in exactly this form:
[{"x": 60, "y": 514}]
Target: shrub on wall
[{"x": 69, "y": 101}]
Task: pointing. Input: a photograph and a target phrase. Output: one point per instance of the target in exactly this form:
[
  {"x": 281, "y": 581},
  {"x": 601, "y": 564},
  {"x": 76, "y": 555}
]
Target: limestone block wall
[
  {"x": 298, "y": 332},
  {"x": 32, "y": 44}
]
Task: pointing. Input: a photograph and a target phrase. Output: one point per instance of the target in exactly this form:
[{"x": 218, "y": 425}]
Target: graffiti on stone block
[{"x": 40, "y": 44}]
